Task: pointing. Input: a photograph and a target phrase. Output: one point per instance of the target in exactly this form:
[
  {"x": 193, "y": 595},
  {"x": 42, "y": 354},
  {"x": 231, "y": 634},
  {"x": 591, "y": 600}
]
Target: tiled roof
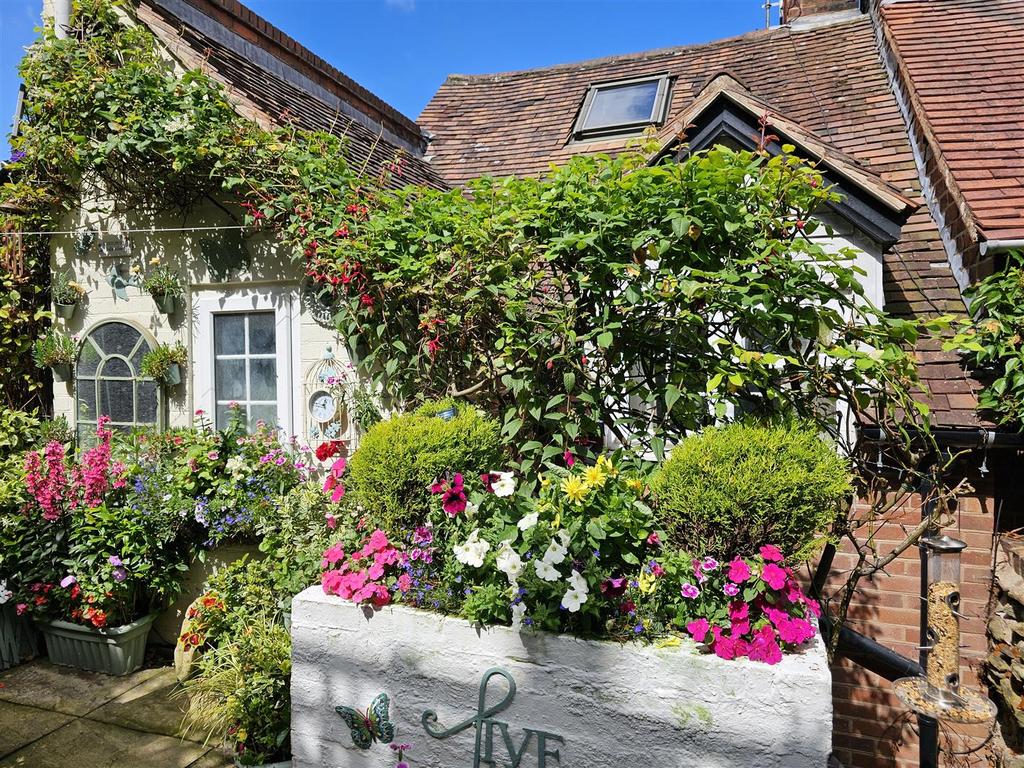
[
  {"x": 275, "y": 81},
  {"x": 962, "y": 60},
  {"x": 828, "y": 79}
]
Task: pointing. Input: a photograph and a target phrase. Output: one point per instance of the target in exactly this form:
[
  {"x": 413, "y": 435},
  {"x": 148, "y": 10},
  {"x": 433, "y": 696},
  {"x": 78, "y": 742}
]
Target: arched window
[{"x": 108, "y": 382}]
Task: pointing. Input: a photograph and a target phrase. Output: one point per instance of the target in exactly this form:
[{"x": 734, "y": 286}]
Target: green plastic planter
[
  {"x": 17, "y": 638},
  {"x": 61, "y": 372},
  {"x": 166, "y": 302},
  {"x": 112, "y": 651},
  {"x": 173, "y": 376},
  {"x": 66, "y": 311}
]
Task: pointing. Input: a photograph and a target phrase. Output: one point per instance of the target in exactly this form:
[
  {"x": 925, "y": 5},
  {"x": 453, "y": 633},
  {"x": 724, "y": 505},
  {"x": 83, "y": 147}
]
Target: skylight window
[{"x": 626, "y": 106}]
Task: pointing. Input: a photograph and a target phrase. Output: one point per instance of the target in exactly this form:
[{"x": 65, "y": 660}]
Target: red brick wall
[{"x": 872, "y": 729}]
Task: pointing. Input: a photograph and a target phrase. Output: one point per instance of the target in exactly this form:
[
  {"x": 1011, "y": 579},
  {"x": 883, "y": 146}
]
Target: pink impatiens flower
[
  {"x": 773, "y": 576},
  {"x": 332, "y": 484},
  {"x": 698, "y": 629},
  {"x": 739, "y": 571},
  {"x": 771, "y": 554}
]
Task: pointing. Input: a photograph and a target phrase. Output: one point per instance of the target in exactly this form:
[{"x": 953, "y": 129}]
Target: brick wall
[
  {"x": 872, "y": 728},
  {"x": 795, "y": 9}
]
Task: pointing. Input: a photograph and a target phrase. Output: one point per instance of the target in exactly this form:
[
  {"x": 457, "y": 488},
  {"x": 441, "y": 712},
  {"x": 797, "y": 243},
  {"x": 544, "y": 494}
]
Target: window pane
[
  {"x": 263, "y": 379},
  {"x": 228, "y": 335},
  {"x": 267, "y": 413},
  {"x": 149, "y": 398},
  {"x": 116, "y": 338},
  {"x": 224, "y": 416},
  {"x": 117, "y": 368},
  {"x": 622, "y": 104},
  {"x": 136, "y": 359},
  {"x": 117, "y": 400},
  {"x": 86, "y": 390},
  {"x": 229, "y": 379},
  {"x": 261, "y": 334},
  {"x": 88, "y": 359}
]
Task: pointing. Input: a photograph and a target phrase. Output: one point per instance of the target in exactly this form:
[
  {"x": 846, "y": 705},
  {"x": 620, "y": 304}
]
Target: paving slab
[
  {"x": 21, "y": 725},
  {"x": 90, "y": 744},
  {"x": 149, "y": 706},
  {"x": 213, "y": 759},
  {"x": 64, "y": 689}
]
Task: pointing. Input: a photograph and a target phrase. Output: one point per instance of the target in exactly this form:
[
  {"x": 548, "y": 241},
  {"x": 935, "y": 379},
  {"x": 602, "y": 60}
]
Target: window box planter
[
  {"x": 66, "y": 311},
  {"x": 166, "y": 302},
  {"x": 17, "y": 637},
  {"x": 113, "y": 651},
  {"x": 598, "y": 704}
]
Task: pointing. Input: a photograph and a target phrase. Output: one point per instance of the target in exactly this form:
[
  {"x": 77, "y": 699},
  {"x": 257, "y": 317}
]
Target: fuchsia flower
[
  {"x": 771, "y": 554},
  {"x": 698, "y": 629},
  {"x": 764, "y": 647},
  {"x": 569, "y": 459},
  {"x": 20, "y": 608},
  {"x": 332, "y": 484},
  {"x": 453, "y": 495},
  {"x": 739, "y": 571}
]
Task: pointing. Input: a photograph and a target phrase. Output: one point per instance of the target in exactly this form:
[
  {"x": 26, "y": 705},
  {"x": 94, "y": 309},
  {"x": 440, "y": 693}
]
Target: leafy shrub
[
  {"x": 157, "y": 363},
  {"x": 55, "y": 348},
  {"x": 400, "y": 458},
  {"x": 727, "y": 491}
]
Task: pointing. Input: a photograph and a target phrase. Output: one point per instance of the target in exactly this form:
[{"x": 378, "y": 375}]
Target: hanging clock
[{"x": 322, "y": 406}]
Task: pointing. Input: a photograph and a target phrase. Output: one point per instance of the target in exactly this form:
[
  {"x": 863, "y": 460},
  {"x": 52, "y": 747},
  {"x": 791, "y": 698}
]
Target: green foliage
[
  {"x": 64, "y": 289},
  {"x": 157, "y": 362},
  {"x": 993, "y": 340},
  {"x": 54, "y": 348},
  {"x": 241, "y": 692},
  {"x": 730, "y": 490},
  {"x": 398, "y": 460},
  {"x": 162, "y": 281}
]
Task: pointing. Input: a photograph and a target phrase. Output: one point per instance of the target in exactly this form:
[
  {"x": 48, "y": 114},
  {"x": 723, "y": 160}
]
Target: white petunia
[
  {"x": 526, "y": 522},
  {"x": 472, "y": 552},
  {"x": 555, "y": 553},
  {"x": 546, "y": 570},
  {"x": 578, "y": 583},
  {"x": 509, "y": 562},
  {"x": 573, "y": 599},
  {"x": 518, "y": 612},
  {"x": 471, "y": 509},
  {"x": 505, "y": 485}
]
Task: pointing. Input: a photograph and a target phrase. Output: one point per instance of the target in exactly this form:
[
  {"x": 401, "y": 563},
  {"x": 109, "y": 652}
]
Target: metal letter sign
[{"x": 485, "y": 725}]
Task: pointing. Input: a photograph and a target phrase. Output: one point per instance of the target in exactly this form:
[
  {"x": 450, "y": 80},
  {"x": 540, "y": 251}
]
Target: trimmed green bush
[
  {"x": 398, "y": 459},
  {"x": 729, "y": 490}
]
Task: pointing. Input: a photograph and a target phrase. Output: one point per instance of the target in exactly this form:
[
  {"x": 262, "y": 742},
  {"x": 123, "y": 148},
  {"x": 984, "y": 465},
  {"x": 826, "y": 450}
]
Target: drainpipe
[{"x": 1000, "y": 246}]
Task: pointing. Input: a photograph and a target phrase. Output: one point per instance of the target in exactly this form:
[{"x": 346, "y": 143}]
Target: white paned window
[
  {"x": 625, "y": 106},
  {"x": 244, "y": 348}
]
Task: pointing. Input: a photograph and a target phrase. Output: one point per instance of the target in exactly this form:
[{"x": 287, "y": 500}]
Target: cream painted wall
[{"x": 270, "y": 271}]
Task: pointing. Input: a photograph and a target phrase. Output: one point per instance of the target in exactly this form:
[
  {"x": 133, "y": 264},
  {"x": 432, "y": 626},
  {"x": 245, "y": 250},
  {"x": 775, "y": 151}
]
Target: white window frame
[{"x": 285, "y": 305}]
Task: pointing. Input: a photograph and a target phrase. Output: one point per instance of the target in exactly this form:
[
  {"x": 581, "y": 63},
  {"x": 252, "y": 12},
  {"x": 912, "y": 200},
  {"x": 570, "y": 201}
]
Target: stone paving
[{"x": 56, "y": 717}]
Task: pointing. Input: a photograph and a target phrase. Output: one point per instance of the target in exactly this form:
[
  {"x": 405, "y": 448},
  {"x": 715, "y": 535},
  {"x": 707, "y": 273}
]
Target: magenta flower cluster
[{"x": 364, "y": 575}]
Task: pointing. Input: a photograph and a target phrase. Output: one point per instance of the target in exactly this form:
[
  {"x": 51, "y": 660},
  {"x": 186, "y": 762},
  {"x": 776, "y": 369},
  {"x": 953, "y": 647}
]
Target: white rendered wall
[{"x": 615, "y": 706}]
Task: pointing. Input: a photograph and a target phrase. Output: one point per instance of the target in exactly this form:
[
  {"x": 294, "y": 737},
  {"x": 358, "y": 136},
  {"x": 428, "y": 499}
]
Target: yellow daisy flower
[
  {"x": 595, "y": 476},
  {"x": 635, "y": 484},
  {"x": 575, "y": 489}
]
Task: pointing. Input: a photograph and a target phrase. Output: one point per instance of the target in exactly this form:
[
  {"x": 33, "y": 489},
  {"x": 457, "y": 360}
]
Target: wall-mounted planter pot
[
  {"x": 112, "y": 651},
  {"x": 173, "y": 376},
  {"x": 61, "y": 371},
  {"x": 166, "y": 302},
  {"x": 463, "y": 696},
  {"x": 66, "y": 311},
  {"x": 17, "y": 637}
]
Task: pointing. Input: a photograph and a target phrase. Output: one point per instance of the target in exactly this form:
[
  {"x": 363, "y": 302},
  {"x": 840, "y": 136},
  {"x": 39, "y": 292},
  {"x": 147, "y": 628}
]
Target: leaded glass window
[
  {"x": 108, "y": 382},
  {"x": 245, "y": 366}
]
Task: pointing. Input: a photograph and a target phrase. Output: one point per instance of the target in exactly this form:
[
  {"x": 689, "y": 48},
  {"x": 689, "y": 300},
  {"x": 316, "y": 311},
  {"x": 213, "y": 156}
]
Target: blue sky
[{"x": 403, "y": 49}]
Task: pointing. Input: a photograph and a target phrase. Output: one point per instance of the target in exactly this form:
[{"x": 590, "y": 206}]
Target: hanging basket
[
  {"x": 66, "y": 311},
  {"x": 173, "y": 376},
  {"x": 61, "y": 372},
  {"x": 166, "y": 302}
]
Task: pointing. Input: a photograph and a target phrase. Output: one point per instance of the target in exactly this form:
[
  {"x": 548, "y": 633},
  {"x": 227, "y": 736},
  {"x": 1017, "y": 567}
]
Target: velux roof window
[{"x": 622, "y": 107}]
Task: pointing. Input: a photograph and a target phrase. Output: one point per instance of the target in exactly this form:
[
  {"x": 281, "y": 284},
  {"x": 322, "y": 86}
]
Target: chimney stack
[{"x": 801, "y": 9}]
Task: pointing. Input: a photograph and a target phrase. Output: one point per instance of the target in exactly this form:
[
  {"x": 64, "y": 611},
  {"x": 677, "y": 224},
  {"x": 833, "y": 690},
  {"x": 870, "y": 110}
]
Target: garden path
[{"x": 55, "y": 717}]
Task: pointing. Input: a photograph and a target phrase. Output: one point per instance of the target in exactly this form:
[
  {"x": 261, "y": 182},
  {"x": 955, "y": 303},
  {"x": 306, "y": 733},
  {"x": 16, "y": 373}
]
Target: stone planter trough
[
  {"x": 17, "y": 637},
  {"x": 112, "y": 651},
  {"x": 576, "y": 703}
]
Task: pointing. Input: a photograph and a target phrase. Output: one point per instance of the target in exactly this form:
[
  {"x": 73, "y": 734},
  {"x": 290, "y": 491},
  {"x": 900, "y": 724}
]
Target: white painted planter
[{"x": 612, "y": 705}]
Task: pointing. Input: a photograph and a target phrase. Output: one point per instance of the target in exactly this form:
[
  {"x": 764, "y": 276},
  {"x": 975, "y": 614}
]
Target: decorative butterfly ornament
[{"x": 371, "y": 725}]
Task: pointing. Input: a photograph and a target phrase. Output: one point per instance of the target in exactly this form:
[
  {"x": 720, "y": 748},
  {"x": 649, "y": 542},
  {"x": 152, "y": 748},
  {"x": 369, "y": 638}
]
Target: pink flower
[
  {"x": 724, "y": 647},
  {"x": 654, "y": 540},
  {"x": 333, "y": 555},
  {"x": 20, "y": 608},
  {"x": 689, "y": 591},
  {"x": 764, "y": 647},
  {"x": 708, "y": 564},
  {"x": 404, "y": 582},
  {"x": 794, "y": 631},
  {"x": 568, "y": 458},
  {"x": 738, "y": 611},
  {"x": 773, "y": 576},
  {"x": 730, "y": 589},
  {"x": 739, "y": 571},
  {"x": 657, "y": 570},
  {"x": 614, "y": 587},
  {"x": 771, "y": 553},
  {"x": 453, "y": 495},
  {"x": 698, "y": 629},
  {"x": 332, "y": 521},
  {"x": 378, "y": 540},
  {"x": 212, "y": 455}
]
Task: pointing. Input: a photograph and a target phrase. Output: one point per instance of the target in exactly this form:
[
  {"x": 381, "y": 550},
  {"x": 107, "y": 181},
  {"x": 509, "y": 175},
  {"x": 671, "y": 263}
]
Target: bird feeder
[{"x": 938, "y": 693}]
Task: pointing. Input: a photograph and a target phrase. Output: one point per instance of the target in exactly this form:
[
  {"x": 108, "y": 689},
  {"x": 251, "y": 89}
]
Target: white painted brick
[{"x": 615, "y": 705}]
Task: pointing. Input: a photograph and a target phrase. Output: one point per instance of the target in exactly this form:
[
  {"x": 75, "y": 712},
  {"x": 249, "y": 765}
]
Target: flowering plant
[
  {"x": 162, "y": 281},
  {"x": 64, "y": 290},
  {"x": 53, "y": 349},
  {"x": 368, "y": 575}
]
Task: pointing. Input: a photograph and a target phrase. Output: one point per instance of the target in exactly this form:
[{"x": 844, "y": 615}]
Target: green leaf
[
  {"x": 604, "y": 340},
  {"x": 595, "y": 531}
]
